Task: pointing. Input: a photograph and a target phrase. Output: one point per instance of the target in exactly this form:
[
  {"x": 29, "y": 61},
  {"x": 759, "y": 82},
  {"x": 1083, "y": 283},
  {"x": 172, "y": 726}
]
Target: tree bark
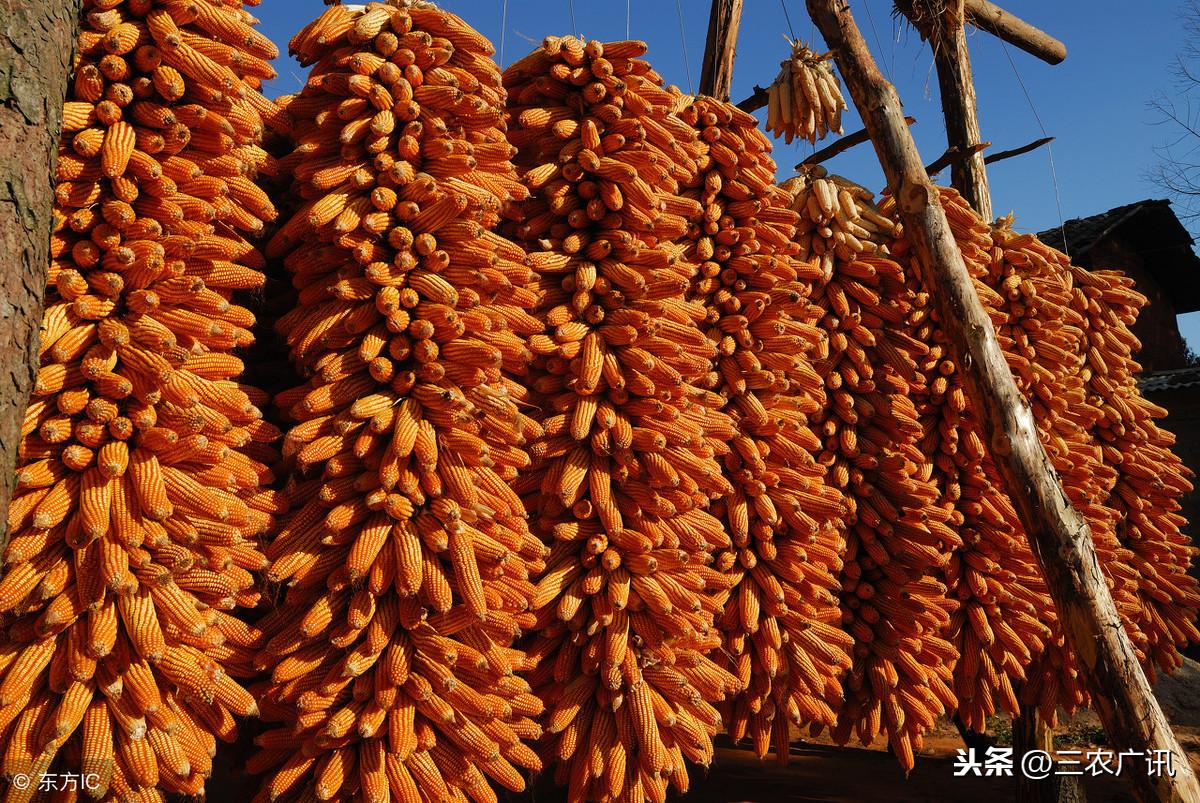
[
  {"x": 1017, "y": 32},
  {"x": 1059, "y": 536},
  {"x": 37, "y": 42},
  {"x": 716, "y": 76}
]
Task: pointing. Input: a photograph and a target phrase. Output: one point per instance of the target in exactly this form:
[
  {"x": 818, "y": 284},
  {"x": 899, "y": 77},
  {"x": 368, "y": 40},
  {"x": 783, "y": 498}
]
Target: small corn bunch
[
  {"x": 782, "y": 623},
  {"x": 630, "y": 455},
  {"x": 407, "y": 564},
  {"x": 897, "y": 538},
  {"x": 838, "y": 219},
  {"x": 141, "y": 485},
  {"x": 805, "y": 99}
]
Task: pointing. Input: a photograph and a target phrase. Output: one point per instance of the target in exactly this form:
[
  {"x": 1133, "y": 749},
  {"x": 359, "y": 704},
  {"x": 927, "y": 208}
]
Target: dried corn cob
[
  {"x": 630, "y": 454},
  {"x": 805, "y": 99},
  {"x": 408, "y": 561},
  {"x": 142, "y": 472},
  {"x": 783, "y": 516}
]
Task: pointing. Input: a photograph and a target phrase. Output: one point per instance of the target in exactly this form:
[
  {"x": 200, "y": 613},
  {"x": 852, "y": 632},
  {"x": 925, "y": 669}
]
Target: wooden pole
[
  {"x": 37, "y": 43},
  {"x": 844, "y": 144},
  {"x": 943, "y": 28},
  {"x": 1059, "y": 536},
  {"x": 1017, "y": 32},
  {"x": 716, "y": 75}
]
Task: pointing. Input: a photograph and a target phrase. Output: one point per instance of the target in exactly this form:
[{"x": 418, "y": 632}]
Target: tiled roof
[{"x": 1170, "y": 380}]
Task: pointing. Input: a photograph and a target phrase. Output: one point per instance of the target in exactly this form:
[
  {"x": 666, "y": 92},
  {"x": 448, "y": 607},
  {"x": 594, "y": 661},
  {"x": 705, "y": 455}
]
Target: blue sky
[{"x": 1095, "y": 103}]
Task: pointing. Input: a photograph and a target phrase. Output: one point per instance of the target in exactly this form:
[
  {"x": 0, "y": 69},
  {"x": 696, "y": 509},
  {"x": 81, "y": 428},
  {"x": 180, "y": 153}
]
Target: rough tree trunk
[{"x": 37, "y": 41}]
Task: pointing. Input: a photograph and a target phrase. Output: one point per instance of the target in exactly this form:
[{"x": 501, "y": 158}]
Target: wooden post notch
[{"x": 1059, "y": 536}]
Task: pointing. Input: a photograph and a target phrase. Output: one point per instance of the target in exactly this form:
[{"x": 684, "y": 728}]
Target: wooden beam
[
  {"x": 1000, "y": 156},
  {"x": 716, "y": 75},
  {"x": 952, "y": 155},
  {"x": 1059, "y": 536},
  {"x": 942, "y": 27},
  {"x": 989, "y": 17},
  {"x": 756, "y": 101},
  {"x": 843, "y": 144}
]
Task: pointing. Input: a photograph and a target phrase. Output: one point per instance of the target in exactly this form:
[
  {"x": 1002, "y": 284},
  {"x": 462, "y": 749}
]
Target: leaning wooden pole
[
  {"x": 716, "y": 74},
  {"x": 1059, "y": 536}
]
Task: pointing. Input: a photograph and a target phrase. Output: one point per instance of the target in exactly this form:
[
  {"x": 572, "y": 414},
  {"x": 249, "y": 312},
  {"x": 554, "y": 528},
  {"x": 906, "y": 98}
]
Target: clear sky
[{"x": 1119, "y": 56}]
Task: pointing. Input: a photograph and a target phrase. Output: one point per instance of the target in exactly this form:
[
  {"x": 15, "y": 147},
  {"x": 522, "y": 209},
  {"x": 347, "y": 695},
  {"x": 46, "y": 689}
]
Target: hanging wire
[
  {"x": 503, "y": 29},
  {"x": 787, "y": 17},
  {"x": 687, "y": 69},
  {"x": 571, "y": 10},
  {"x": 628, "y": 19},
  {"x": 878, "y": 44},
  {"x": 1062, "y": 229}
]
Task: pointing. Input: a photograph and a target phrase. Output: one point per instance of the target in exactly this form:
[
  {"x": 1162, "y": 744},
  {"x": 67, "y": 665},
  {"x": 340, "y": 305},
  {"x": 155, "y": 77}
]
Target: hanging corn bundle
[
  {"x": 1004, "y": 618},
  {"x": 805, "y": 99},
  {"x": 407, "y": 564},
  {"x": 782, "y": 623},
  {"x": 630, "y": 455},
  {"x": 1149, "y": 478},
  {"x": 837, "y": 218},
  {"x": 140, "y": 485},
  {"x": 898, "y": 538}
]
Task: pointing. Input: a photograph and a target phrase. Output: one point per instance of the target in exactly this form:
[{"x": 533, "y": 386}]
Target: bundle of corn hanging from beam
[
  {"x": 407, "y": 561},
  {"x": 838, "y": 219},
  {"x": 142, "y": 472},
  {"x": 782, "y": 625},
  {"x": 1023, "y": 284},
  {"x": 1149, "y": 479},
  {"x": 630, "y": 457},
  {"x": 805, "y": 99},
  {"x": 898, "y": 538},
  {"x": 1004, "y": 619}
]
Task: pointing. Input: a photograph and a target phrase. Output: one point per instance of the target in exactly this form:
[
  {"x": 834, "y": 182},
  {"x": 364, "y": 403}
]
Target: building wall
[{"x": 1162, "y": 345}]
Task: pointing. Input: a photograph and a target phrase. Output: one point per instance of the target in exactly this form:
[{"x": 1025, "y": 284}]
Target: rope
[
  {"x": 788, "y": 17},
  {"x": 503, "y": 29},
  {"x": 571, "y": 11},
  {"x": 628, "y": 19},
  {"x": 1049, "y": 145},
  {"x": 683, "y": 43},
  {"x": 878, "y": 44}
]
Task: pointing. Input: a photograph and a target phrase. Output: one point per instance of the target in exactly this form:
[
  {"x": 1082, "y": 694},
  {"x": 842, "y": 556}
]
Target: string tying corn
[
  {"x": 782, "y": 622},
  {"x": 142, "y": 473},
  {"x": 632, "y": 442},
  {"x": 408, "y": 562}
]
